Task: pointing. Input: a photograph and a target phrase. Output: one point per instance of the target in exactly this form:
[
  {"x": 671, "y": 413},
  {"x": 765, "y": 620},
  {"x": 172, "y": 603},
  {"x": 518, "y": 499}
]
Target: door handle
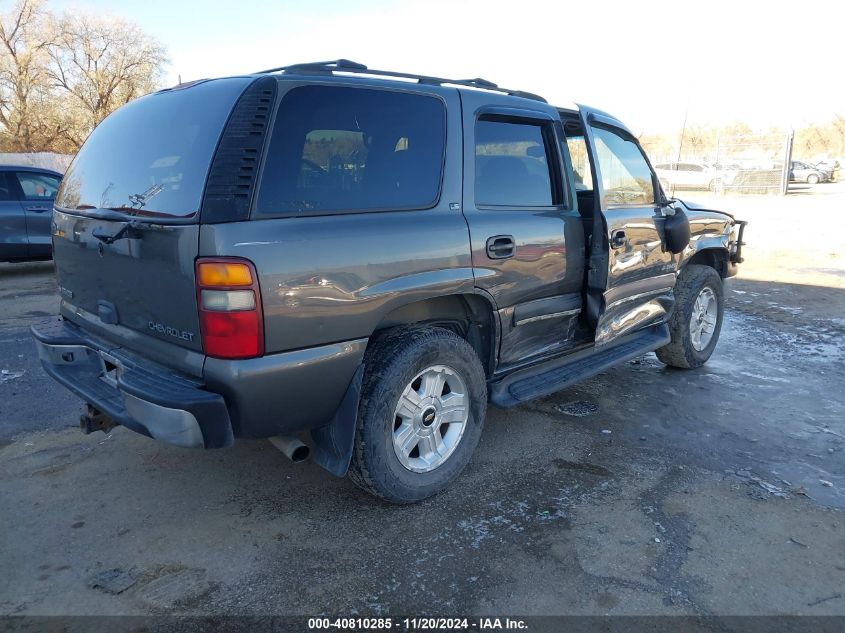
[
  {"x": 618, "y": 239},
  {"x": 500, "y": 246},
  {"x": 38, "y": 209}
]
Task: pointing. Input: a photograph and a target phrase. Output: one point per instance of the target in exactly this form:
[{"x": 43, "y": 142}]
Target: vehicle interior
[{"x": 579, "y": 155}]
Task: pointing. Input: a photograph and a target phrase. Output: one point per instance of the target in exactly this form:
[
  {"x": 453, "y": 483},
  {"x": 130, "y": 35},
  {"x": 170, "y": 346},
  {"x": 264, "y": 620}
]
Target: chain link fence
[
  {"x": 727, "y": 164},
  {"x": 753, "y": 164}
]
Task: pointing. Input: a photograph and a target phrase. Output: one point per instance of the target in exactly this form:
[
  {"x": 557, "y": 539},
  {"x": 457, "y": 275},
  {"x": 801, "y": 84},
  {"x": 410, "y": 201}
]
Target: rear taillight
[{"x": 229, "y": 302}]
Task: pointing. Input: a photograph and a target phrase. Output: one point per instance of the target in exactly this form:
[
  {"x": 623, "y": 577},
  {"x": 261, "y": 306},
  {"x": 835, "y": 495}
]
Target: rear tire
[
  {"x": 399, "y": 410},
  {"x": 696, "y": 321}
]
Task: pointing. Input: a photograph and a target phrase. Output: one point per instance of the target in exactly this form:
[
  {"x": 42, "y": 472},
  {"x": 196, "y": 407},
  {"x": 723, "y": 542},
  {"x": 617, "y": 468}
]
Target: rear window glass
[
  {"x": 151, "y": 157},
  {"x": 353, "y": 149}
]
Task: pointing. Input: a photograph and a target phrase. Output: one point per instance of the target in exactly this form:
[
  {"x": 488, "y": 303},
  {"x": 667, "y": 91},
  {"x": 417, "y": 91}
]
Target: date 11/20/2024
[{"x": 418, "y": 624}]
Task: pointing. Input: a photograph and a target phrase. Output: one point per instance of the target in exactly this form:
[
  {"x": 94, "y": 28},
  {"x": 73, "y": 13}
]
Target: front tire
[
  {"x": 696, "y": 321},
  {"x": 423, "y": 404},
  {"x": 813, "y": 179}
]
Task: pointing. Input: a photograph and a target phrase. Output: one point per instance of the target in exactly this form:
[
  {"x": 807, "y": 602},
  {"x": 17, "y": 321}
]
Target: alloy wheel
[
  {"x": 705, "y": 312},
  {"x": 430, "y": 418}
]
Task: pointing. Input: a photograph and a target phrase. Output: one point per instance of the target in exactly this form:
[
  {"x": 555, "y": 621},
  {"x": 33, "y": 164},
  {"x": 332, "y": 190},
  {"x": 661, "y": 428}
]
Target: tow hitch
[{"x": 95, "y": 420}]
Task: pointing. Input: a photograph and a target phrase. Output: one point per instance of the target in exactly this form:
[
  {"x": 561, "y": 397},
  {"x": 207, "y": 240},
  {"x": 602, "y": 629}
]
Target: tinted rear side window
[
  {"x": 511, "y": 165},
  {"x": 151, "y": 157},
  {"x": 337, "y": 149}
]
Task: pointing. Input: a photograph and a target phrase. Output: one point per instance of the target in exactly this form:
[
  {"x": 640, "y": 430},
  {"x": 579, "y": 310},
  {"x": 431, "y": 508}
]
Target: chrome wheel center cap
[{"x": 428, "y": 417}]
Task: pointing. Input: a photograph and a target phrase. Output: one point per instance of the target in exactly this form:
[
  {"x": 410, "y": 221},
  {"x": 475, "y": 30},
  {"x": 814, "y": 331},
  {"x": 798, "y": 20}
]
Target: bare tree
[
  {"x": 27, "y": 106},
  {"x": 838, "y": 133},
  {"x": 102, "y": 65},
  {"x": 61, "y": 75}
]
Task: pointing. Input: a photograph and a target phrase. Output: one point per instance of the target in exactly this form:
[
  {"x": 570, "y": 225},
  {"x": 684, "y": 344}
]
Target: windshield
[{"x": 151, "y": 157}]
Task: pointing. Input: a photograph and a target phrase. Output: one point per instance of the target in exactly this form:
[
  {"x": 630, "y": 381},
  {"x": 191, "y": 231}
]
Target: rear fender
[{"x": 334, "y": 442}]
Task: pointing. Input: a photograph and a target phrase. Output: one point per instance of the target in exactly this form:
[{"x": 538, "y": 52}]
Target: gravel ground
[{"x": 644, "y": 490}]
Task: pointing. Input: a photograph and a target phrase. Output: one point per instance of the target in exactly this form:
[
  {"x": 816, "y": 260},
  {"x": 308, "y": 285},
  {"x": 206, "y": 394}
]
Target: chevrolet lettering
[{"x": 171, "y": 331}]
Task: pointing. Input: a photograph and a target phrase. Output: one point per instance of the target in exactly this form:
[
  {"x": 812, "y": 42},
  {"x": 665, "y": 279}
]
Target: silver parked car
[
  {"x": 691, "y": 175},
  {"x": 828, "y": 166},
  {"x": 800, "y": 171}
]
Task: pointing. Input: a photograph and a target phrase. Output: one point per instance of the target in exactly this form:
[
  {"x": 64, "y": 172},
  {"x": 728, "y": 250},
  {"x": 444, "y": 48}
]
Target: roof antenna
[
  {"x": 683, "y": 133},
  {"x": 681, "y": 143}
]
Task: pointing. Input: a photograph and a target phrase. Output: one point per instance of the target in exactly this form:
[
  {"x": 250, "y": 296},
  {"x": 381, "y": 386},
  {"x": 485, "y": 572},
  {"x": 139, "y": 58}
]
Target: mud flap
[{"x": 333, "y": 443}]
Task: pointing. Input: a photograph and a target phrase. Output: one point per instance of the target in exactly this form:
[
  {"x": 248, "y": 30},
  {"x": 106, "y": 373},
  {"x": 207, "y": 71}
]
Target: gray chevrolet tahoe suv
[{"x": 369, "y": 257}]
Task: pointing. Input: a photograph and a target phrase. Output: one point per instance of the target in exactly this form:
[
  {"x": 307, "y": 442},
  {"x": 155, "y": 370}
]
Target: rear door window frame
[{"x": 552, "y": 135}]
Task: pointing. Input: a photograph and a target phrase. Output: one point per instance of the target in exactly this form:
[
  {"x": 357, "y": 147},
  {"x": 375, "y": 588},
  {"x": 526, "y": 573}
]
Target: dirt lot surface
[{"x": 642, "y": 491}]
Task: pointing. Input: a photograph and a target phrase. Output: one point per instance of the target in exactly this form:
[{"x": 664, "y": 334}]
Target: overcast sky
[{"x": 644, "y": 61}]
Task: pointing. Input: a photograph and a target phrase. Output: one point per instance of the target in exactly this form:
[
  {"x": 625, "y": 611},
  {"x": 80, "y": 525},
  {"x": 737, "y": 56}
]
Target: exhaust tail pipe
[{"x": 293, "y": 449}]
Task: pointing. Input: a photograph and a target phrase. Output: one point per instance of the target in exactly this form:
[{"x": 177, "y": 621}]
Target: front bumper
[{"x": 135, "y": 392}]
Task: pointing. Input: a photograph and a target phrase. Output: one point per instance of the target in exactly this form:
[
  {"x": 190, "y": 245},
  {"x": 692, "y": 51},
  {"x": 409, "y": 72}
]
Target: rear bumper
[
  {"x": 276, "y": 394},
  {"x": 135, "y": 392}
]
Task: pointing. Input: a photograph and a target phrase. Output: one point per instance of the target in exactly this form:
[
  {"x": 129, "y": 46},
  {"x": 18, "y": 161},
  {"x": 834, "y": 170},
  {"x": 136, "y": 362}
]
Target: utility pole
[{"x": 787, "y": 163}]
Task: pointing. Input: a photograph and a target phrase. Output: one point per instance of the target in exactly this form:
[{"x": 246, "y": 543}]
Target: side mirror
[{"x": 676, "y": 230}]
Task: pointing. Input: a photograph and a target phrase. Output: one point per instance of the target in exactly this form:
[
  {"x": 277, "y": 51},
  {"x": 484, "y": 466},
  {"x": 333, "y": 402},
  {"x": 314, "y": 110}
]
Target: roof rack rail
[{"x": 348, "y": 66}]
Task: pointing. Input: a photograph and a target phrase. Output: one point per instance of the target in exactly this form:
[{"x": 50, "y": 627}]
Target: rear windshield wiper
[
  {"x": 128, "y": 214},
  {"x": 105, "y": 213},
  {"x": 141, "y": 199}
]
